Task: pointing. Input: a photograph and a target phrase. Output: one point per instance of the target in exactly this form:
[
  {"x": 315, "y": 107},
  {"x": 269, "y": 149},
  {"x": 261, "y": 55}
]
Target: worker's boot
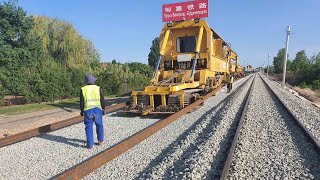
[{"x": 88, "y": 147}]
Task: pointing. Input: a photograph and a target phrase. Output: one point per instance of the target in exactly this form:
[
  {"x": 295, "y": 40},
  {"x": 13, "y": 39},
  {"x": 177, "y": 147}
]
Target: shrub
[{"x": 316, "y": 84}]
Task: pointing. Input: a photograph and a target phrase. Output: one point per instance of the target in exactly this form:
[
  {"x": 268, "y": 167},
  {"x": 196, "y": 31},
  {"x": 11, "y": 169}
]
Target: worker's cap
[{"x": 90, "y": 79}]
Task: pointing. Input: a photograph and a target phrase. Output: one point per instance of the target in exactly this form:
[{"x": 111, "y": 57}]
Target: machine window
[{"x": 186, "y": 44}]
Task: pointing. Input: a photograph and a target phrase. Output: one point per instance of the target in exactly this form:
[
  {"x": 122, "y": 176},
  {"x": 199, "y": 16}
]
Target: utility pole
[
  {"x": 286, "y": 58},
  {"x": 268, "y": 66}
]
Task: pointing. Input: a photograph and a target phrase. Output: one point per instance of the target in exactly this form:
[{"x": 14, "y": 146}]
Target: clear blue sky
[{"x": 123, "y": 29}]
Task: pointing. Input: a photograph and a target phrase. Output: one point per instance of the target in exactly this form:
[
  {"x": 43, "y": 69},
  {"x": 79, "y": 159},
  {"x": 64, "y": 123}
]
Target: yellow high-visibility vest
[
  {"x": 91, "y": 96},
  {"x": 230, "y": 79}
]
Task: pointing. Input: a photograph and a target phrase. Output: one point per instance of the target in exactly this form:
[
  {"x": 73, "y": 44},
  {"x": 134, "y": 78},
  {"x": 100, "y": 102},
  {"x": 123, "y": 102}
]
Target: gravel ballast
[
  {"x": 194, "y": 146},
  {"x": 308, "y": 114},
  {"x": 49, "y": 154},
  {"x": 271, "y": 145}
]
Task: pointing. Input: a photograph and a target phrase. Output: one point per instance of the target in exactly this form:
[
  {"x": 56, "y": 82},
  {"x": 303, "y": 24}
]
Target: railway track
[
  {"x": 50, "y": 127},
  {"x": 271, "y": 142},
  {"x": 306, "y": 112},
  {"x": 228, "y": 136},
  {"x": 200, "y": 152},
  {"x": 85, "y": 168},
  {"x": 54, "y": 153},
  {"x": 102, "y": 158}
]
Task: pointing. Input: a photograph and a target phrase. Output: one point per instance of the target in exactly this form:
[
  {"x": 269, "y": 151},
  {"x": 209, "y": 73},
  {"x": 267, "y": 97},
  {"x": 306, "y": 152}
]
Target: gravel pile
[
  {"x": 304, "y": 110},
  {"x": 194, "y": 146},
  {"x": 50, "y": 154},
  {"x": 271, "y": 146}
]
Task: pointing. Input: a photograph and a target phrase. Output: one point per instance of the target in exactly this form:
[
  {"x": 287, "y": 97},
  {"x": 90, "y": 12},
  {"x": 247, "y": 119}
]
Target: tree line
[
  {"x": 304, "y": 70},
  {"x": 45, "y": 59}
]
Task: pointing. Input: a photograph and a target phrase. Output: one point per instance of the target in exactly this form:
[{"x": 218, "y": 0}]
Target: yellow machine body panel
[
  {"x": 233, "y": 68},
  {"x": 193, "y": 58},
  {"x": 239, "y": 69}
]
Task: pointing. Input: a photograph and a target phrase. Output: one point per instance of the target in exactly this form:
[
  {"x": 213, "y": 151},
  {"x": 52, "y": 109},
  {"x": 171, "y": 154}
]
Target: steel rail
[
  {"x": 80, "y": 170},
  {"x": 50, "y": 127},
  {"x": 227, "y": 164},
  {"x": 296, "y": 119},
  {"x": 88, "y": 166}
]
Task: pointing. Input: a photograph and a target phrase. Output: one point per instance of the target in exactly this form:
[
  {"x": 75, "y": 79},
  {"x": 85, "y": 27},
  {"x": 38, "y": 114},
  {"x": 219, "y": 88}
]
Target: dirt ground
[
  {"x": 13, "y": 124},
  {"x": 311, "y": 95}
]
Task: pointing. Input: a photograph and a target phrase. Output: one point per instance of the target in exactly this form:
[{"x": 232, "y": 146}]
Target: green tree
[
  {"x": 300, "y": 65},
  {"x": 313, "y": 75},
  {"x": 315, "y": 59},
  {"x": 61, "y": 41},
  {"x": 140, "y": 68},
  {"x": 41, "y": 58},
  {"x": 154, "y": 53},
  {"x": 278, "y": 61},
  {"x": 45, "y": 59},
  {"x": 19, "y": 49},
  {"x": 114, "y": 62},
  {"x": 113, "y": 77},
  {"x": 14, "y": 24},
  {"x": 119, "y": 79}
]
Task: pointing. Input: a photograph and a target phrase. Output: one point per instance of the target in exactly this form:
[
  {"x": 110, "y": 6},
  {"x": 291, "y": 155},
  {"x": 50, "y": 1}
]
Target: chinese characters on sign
[{"x": 185, "y": 10}]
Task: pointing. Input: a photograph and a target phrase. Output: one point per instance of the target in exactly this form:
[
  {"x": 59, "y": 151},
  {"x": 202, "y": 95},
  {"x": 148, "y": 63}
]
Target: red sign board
[{"x": 185, "y": 10}]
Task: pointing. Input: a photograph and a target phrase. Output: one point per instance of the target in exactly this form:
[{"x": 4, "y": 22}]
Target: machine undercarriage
[{"x": 168, "y": 102}]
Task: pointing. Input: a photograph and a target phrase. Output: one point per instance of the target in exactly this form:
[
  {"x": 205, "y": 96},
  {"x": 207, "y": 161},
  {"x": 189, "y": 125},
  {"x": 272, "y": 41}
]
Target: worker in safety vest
[
  {"x": 92, "y": 108},
  {"x": 230, "y": 82}
]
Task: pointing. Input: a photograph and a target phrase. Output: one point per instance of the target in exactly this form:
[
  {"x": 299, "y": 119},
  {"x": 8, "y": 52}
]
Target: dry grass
[
  {"x": 317, "y": 91},
  {"x": 311, "y": 95},
  {"x": 306, "y": 92}
]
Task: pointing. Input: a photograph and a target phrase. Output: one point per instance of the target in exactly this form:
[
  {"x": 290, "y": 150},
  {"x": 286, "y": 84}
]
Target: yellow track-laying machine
[
  {"x": 236, "y": 69},
  {"x": 193, "y": 61}
]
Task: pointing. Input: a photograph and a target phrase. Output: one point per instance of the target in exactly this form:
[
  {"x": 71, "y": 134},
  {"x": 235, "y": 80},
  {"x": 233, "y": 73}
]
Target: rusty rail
[
  {"x": 296, "y": 119},
  {"x": 227, "y": 164},
  {"x": 80, "y": 170},
  {"x": 50, "y": 127},
  {"x": 88, "y": 166}
]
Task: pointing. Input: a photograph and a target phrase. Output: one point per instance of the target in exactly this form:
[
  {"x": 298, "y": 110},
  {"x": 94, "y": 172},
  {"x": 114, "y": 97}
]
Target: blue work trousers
[{"x": 93, "y": 116}]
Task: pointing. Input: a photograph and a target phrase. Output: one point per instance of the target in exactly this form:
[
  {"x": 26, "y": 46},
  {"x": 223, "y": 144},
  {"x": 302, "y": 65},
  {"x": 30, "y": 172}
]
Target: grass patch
[{"x": 27, "y": 108}]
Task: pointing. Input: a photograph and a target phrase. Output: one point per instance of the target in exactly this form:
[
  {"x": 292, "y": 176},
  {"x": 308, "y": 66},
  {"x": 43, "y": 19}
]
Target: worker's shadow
[{"x": 64, "y": 140}]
